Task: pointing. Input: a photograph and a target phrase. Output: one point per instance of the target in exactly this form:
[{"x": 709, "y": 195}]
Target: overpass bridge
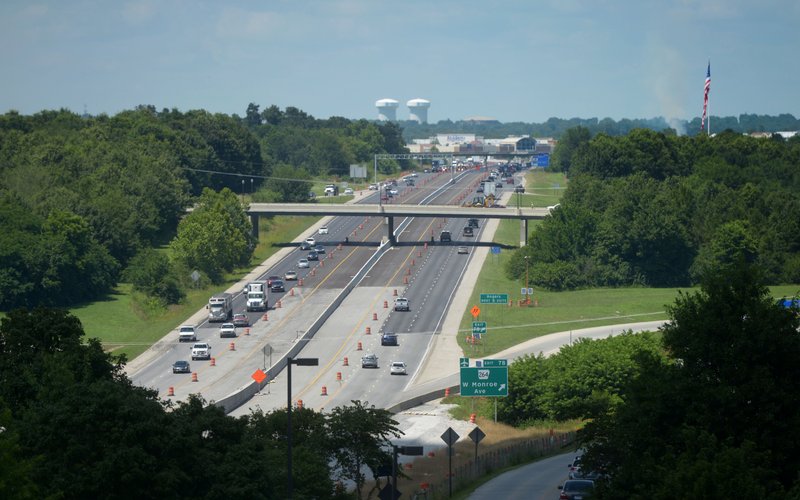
[{"x": 255, "y": 210}]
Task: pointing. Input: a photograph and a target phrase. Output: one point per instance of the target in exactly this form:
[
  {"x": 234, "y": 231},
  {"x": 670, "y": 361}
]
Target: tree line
[
  {"x": 83, "y": 197},
  {"x": 654, "y": 209},
  {"x": 557, "y": 127},
  {"x": 73, "y": 426}
]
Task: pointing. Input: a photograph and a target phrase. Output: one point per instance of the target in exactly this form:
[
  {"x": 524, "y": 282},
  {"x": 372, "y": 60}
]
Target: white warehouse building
[
  {"x": 418, "y": 109},
  {"x": 387, "y": 109}
]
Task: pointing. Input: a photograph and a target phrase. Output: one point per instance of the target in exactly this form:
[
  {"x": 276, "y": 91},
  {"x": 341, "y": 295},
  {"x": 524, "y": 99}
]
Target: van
[{"x": 444, "y": 237}]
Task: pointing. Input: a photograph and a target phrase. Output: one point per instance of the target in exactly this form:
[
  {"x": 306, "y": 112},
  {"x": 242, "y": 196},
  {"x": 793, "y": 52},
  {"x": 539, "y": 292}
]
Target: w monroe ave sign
[{"x": 489, "y": 380}]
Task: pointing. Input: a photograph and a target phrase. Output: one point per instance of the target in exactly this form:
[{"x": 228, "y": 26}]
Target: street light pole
[
  {"x": 289, "y": 363},
  {"x": 242, "y": 191},
  {"x": 528, "y": 296}
]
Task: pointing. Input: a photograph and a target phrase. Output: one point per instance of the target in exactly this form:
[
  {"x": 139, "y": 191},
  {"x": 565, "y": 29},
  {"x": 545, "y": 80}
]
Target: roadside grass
[{"x": 125, "y": 324}]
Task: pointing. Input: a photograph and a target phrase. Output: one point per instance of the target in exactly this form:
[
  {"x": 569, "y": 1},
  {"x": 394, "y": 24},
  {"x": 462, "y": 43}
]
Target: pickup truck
[{"x": 201, "y": 350}]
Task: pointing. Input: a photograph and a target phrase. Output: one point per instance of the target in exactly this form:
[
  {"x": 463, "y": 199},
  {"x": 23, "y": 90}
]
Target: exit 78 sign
[{"x": 485, "y": 381}]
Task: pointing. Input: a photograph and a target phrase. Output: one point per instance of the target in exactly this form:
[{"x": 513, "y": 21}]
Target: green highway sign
[
  {"x": 463, "y": 362},
  {"x": 495, "y": 362},
  {"x": 491, "y": 381},
  {"x": 478, "y": 327},
  {"x": 494, "y": 298}
]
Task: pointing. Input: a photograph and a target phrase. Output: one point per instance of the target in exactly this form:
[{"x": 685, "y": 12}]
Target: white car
[
  {"x": 373, "y": 187},
  {"x": 398, "y": 368},
  {"x": 393, "y": 191},
  {"x": 187, "y": 334},
  {"x": 311, "y": 241},
  {"x": 401, "y": 304},
  {"x": 463, "y": 250},
  {"x": 227, "y": 330},
  {"x": 348, "y": 191},
  {"x": 302, "y": 264},
  {"x": 323, "y": 230}
]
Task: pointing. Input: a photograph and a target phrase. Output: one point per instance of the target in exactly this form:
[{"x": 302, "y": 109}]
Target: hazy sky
[{"x": 513, "y": 60}]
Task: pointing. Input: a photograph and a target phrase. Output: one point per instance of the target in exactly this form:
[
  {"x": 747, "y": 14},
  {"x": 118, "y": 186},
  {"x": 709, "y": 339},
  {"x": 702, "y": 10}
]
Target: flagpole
[{"x": 708, "y": 113}]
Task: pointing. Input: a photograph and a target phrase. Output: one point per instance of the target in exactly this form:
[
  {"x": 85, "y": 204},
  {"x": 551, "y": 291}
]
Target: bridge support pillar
[
  {"x": 390, "y": 223},
  {"x": 254, "y": 222},
  {"x": 523, "y": 232}
]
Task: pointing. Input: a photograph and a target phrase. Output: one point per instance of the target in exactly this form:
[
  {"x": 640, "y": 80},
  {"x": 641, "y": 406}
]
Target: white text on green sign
[
  {"x": 494, "y": 298},
  {"x": 478, "y": 327},
  {"x": 492, "y": 381}
]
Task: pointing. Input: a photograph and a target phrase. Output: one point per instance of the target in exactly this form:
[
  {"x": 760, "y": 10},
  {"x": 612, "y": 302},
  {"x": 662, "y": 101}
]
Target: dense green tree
[
  {"x": 215, "y": 237},
  {"x": 150, "y": 273},
  {"x": 290, "y": 184},
  {"x": 572, "y": 140},
  {"x": 726, "y": 402},
  {"x": 359, "y": 437}
]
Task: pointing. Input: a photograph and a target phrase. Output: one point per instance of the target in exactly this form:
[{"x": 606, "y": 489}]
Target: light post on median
[
  {"x": 242, "y": 192},
  {"x": 527, "y": 297},
  {"x": 289, "y": 363}
]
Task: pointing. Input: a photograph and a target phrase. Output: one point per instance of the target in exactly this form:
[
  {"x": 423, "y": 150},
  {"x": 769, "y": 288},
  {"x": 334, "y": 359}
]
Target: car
[
  {"x": 348, "y": 191},
  {"x": 576, "y": 489},
  {"x": 463, "y": 250},
  {"x": 401, "y": 304},
  {"x": 373, "y": 187},
  {"x": 227, "y": 330},
  {"x": 241, "y": 319},
  {"x": 311, "y": 241},
  {"x": 312, "y": 255},
  {"x": 323, "y": 230},
  {"x": 369, "y": 361},
  {"x": 187, "y": 334},
  {"x": 398, "y": 368},
  {"x": 392, "y": 192},
  {"x": 519, "y": 188},
  {"x": 389, "y": 339},
  {"x": 312, "y": 195},
  {"x": 509, "y": 180},
  {"x": 445, "y": 237},
  {"x": 272, "y": 278},
  {"x": 277, "y": 286},
  {"x": 290, "y": 275},
  {"x": 302, "y": 264},
  {"x": 553, "y": 207},
  {"x": 574, "y": 466},
  {"x": 468, "y": 231},
  {"x": 319, "y": 249},
  {"x": 305, "y": 246},
  {"x": 181, "y": 366},
  {"x": 472, "y": 222},
  {"x": 498, "y": 185},
  {"x": 201, "y": 350}
]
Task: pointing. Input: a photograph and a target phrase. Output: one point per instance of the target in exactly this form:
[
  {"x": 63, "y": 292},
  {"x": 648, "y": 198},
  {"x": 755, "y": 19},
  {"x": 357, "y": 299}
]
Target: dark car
[
  {"x": 319, "y": 249},
  {"x": 241, "y": 319},
  {"x": 389, "y": 339},
  {"x": 498, "y": 185},
  {"x": 468, "y": 231},
  {"x": 519, "y": 188},
  {"x": 305, "y": 246},
  {"x": 181, "y": 367},
  {"x": 277, "y": 286},
  {"x": 576, "y": 489},
  {"x": 312, "y": 255},
  {"x": 472, "y": 222},
  {"x": 272, "y": 279}
]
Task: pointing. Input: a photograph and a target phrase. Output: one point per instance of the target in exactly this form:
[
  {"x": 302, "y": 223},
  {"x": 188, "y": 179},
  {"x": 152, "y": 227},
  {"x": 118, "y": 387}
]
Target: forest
[{"x": 655, "y": 209}]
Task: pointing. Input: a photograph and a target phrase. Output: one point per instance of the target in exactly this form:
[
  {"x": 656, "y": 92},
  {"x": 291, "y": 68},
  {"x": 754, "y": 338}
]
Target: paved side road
[{"x": 535, "y": 481}]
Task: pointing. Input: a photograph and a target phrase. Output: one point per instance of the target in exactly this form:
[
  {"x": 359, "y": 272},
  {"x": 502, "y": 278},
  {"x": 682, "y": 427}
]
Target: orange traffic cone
[
  {"x": 394, "y": 292},
  {"x": 346, "y": 363},
  {"x": 171, "y": 391},
  {"x": 324, "y": 391},
  {"x": 359, "y": 347},
  {"x": 385, "y": 304},
  {"x": 232, "y": 346},
  {"x": 194, "y": 376},
  {"x": 213, "y": 361},
  {"x": 374, "y": 316},
  {"x": 472, "y": 418},
  {"x": 368, "y": 332}
]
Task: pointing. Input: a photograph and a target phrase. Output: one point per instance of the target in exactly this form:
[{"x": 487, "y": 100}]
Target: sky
[{"x": 511, "y": 60}]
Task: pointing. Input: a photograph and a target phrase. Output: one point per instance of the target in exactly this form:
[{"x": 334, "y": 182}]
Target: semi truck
[
  {"x": 256, "y": 292},
  {"x": 220, "y": 307}
]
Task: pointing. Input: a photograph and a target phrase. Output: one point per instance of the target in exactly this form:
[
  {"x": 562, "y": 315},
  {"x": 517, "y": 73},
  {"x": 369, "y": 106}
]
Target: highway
[{"x": 350, "y": 242}]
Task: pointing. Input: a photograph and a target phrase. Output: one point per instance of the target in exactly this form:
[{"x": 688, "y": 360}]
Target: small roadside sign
[
  {"x": 477, "y": 435},
  {"x": 259, "y": 376},
  {"x": 463, "y": 362},
  {"x": 495, "y": 250},
  {"x": 523, "y": 291},
  {"x": 478, "y": 327},
  {"x": 450, "y": 436},
  {"x": 475, "y": 311},
  {"x": 495, "y": 362}
]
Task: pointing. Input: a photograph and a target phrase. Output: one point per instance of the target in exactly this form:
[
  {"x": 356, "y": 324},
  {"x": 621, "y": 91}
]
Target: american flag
[{"x": 705, "y": 96}]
